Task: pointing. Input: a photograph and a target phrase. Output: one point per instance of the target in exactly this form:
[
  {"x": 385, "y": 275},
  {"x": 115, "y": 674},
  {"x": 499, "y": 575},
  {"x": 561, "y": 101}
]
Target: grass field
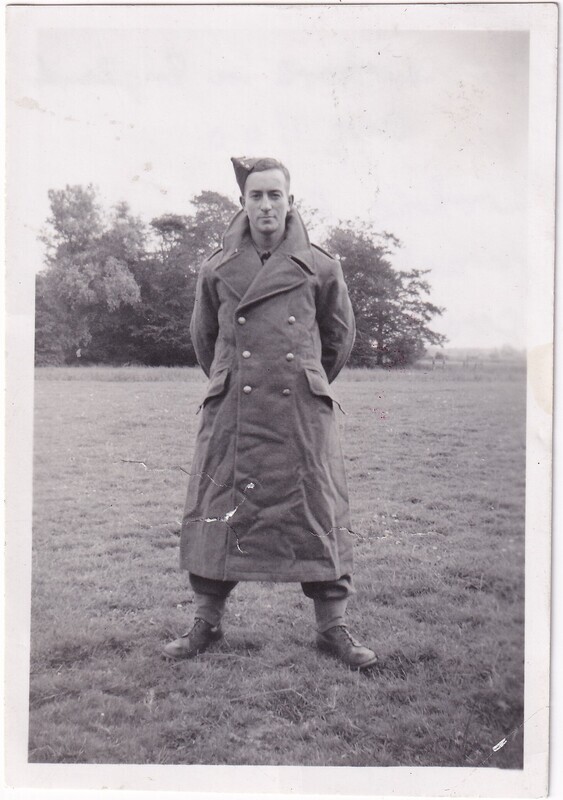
[{"x": 436, "y": 473}]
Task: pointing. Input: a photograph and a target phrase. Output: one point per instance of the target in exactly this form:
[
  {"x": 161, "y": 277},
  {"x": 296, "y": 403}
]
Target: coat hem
[{"x": 307, "y": 576}]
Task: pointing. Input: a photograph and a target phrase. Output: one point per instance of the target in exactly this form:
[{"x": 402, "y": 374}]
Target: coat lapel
[
  {"x": 279, "y": 274},
  {"x": 239, "y": 264},
  {"x": 242, "y": 271}
]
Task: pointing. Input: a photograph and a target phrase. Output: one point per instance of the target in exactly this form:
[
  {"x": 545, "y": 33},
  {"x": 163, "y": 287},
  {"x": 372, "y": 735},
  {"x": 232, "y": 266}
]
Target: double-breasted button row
[
  {"x": 247, "y": 354},
  {"x": 247, "y": 389},
  {"x": 288, "y": 356},
  {"x": 291, "y": 319}
]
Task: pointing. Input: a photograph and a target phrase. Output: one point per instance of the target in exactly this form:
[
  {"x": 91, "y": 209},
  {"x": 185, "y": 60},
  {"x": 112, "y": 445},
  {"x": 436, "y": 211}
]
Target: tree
[
  {"x": 108, "y": 295},
  {"x": 170, "y": 230},
  {"x": 392, "y": 314},
  {"x": 168, "y": 285},
  {"x": 213, "y": 212},
  {"x": 75, "y": 221},
  {"x": 116, "y": 291},
  {"x": 54, "y": 337},
  {"x": 112, "y": 332},
  {"x": 89, "y": 275}
]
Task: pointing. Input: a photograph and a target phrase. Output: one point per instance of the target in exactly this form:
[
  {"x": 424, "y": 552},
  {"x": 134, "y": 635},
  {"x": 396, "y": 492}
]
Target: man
[{"x": 267, "y": 499}]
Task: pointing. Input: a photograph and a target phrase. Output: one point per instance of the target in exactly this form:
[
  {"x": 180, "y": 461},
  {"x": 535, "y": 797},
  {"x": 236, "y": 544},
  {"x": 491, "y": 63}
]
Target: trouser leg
[
  {"x": 210, "y": 597},
  {"x": 330, "y": 599}
]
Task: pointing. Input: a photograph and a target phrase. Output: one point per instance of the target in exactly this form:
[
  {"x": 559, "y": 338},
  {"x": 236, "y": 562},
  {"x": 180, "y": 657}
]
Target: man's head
[{"x": 264, "y": 184}]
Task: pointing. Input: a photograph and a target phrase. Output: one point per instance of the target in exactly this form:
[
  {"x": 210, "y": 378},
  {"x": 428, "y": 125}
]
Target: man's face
[{"x": 266, "y": 201}]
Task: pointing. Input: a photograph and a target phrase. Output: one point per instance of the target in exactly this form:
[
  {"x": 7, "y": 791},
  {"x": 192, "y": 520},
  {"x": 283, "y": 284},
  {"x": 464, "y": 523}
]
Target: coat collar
[
  {"x": 240, "y": 267},
  {"x": 295, "y": 243}
]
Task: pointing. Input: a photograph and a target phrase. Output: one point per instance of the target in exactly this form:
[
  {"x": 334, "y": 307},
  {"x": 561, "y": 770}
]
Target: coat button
[
  {"x": 286, "y": 391},
  {"x": 247, "y": 389},
  {"x": 241, "y": 320},
  {"x": 291, "y": 319},
  {"x": 289, "y": 357},
  {"x": 246, "y": 353}
]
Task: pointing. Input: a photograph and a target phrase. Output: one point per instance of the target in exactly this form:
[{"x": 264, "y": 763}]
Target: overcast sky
[{"x": 424, "y": 133}]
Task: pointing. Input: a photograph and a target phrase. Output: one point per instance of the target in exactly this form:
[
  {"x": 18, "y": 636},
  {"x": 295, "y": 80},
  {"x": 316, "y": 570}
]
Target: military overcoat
[{"x": 267, "y": 496}]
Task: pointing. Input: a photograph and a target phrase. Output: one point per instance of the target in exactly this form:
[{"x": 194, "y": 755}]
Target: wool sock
[{"x": 329, "y": 613}]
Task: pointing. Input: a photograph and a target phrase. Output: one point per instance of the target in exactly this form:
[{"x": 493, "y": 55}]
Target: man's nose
[{"x": 266, "y": 204}]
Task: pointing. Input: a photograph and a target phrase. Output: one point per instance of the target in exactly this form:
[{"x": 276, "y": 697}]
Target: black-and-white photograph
[{"x": 283, "y": 360}]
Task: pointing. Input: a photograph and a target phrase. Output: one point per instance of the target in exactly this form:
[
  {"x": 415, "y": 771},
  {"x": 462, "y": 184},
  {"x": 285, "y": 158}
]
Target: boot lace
[{"x": 345, "y": 635}]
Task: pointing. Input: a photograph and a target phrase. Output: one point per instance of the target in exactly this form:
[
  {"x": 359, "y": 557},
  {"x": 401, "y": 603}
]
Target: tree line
[{"x": 115, "y": 290}]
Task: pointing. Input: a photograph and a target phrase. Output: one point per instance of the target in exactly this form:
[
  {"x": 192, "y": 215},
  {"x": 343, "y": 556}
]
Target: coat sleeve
[
  {"x": 204, "y": 325},
  {"x": 336, "y": 322}
]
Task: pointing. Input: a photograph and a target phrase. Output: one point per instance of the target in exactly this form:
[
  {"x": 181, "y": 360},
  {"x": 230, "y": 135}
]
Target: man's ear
[
  {"x": 241, "y": 198},
  {"x": 290, "y": 201}
]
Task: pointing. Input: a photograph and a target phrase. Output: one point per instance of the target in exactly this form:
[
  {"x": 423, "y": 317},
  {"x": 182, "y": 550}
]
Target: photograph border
[{"x": 541, "y": 20}]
